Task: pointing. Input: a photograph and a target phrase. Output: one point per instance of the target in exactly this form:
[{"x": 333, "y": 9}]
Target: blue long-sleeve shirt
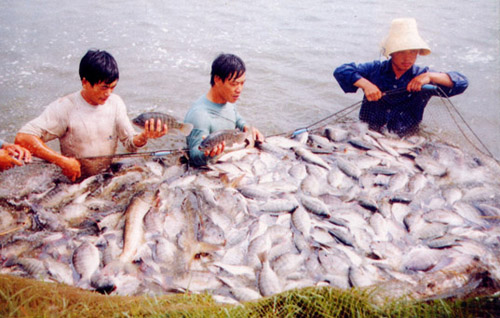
[
  {"x": 208, "y": 117},
  {"x": 393, "y": 108},
  {"x": 1, "y": 143}
]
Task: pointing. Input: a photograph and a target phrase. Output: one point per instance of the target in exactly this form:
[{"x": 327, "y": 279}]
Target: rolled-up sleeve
[
  {"x": 194, "y": 140},
  {"x": 199, "y": 120},
  {"x": 51, "y": 124},
  {"x": 460, "y": 84},
  {"x": 240, "y": 122},
  {"x": 346, "y": 75}
]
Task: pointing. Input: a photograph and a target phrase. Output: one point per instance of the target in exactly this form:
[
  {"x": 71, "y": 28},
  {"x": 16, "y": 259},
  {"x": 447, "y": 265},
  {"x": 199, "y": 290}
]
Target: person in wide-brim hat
[
  {"x": 403, "y": 36},
  {"x": 401, "y": 111}
]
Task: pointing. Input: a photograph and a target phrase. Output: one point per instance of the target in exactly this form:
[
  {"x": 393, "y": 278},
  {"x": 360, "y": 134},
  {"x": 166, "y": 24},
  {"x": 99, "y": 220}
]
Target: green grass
[{"x": 20, "y": 297}]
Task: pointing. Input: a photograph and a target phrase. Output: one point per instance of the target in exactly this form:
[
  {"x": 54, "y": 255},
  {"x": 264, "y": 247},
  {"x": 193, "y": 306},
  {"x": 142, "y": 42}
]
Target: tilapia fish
[
  {"x": 173, "y": 125},
  {"x": 419, "y": 219},
  {"x": 230, "y": 136}
]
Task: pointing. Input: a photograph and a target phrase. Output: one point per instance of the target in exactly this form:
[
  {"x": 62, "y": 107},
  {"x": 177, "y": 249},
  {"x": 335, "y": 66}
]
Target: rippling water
[{"x": 164, "y": 50}]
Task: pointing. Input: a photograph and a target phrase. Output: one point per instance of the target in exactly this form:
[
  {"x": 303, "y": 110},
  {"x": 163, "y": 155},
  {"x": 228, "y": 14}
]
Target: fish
[
  {"x": 59, "y": 271},
  {"x": 258, "y": 221},
  {"x": 32, "y": 266},
  {"x": 302, "y": 221},
  {"x": 269, "y": 282},
  {"x": 229, "y": 136},
  {"x": 133, "y": 232},
  {"x": 86, "y": 261},
  {"x": 430, "y": 166},
  {"x": 315, "y": 206},
  {"x": 173, "y": 125},
  {"x": 335, "y": 133},
  {"x": 241, "y": 293},
  {"x": 349, "y": 168},
  {"x": 308, "y": 156},
  {"x": 279, "y": 205}
]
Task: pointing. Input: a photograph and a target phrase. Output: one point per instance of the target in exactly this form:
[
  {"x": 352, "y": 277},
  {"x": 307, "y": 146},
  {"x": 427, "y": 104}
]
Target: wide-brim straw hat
[{"x": 403, "y": 36}]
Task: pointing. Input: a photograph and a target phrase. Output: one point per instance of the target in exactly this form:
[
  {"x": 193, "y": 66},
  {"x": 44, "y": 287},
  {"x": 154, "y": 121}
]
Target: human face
[
  {"x": 97, "y": 94},
  {"x": 402, "y": 61},
  {"x": 230, "y": 89}
]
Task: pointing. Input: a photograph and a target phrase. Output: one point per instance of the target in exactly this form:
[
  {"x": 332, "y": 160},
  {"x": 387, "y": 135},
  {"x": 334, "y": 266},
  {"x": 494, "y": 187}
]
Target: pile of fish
[{"x": 339, "y": 206}]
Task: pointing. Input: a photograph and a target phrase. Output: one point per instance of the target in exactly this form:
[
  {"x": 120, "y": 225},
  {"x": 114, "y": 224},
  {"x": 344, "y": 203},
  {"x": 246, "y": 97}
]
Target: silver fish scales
[
  {"x": 204, "y": 230},
  {"x": 173, "y": 124},
  {"x": 229, "y": 136}
]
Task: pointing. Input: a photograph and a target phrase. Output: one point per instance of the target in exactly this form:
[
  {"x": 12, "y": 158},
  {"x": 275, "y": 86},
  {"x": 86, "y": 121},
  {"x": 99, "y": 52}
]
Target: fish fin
[
  {"x": 262, "y": 257},
  {"x": 247, "y": 138},
  {"x": 236, "y": 181},
  {"x": 230, "y": 183}
]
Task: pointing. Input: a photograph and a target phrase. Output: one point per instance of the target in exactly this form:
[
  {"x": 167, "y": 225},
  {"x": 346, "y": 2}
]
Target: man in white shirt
[{"x": 88, "y": 123}]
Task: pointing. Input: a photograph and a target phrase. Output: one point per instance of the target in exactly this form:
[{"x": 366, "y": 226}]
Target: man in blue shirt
[
  {"x": 401, "y": 113},
  {"x": 216, "y": 110}
]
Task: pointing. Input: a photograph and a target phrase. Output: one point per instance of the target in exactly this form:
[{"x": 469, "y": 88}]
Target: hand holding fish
[
  {"x": 150, "y": 131},
  {"x": 174, "y": 126},
  {"x": 215, "y": 143},
  {"x": 217, "y": 150},
  {"x": 256, "y": 134}
]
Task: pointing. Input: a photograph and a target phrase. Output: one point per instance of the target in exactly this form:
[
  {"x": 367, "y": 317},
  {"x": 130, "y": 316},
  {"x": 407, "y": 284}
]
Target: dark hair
[
  {"x": 227, "y": 66},
  {"x": 98, "y": 66}
]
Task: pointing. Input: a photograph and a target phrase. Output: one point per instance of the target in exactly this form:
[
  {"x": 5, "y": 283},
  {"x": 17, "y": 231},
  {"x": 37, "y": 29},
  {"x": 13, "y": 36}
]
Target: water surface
[{"x": 164, "y": 50}]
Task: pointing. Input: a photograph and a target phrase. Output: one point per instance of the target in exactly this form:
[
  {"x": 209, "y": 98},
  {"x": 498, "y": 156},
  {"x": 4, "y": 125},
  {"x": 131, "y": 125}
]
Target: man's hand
[
  {"x": 372, "y": 92},
  {"x": 415, "y": 85},
  {"x": 18, "y": 152},
  {"x": 256, "y": 134},
  {"x": 150, "y": 131},
  {"x": 7, "y": 161},
  {"x": 217, "y": 150},
  {"x": 70, "y": 168}
]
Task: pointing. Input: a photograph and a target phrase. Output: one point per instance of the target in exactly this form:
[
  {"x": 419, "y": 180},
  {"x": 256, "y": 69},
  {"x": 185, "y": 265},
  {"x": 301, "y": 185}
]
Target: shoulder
[
  {"x": 198, "y": 109},
  {"x": 62, "y": 106},
  {"x": 363, "y": 67},
  {"x": 376, "y": 65},
  {"x": 417, "y": 70},
  {"x": 65, "y": 101}
]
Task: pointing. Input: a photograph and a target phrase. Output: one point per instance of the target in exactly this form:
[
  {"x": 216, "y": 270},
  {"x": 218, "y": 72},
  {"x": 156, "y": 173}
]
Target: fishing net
[
  {"x": 441, "y": 121},
  {"x": 183, "y": 193}
]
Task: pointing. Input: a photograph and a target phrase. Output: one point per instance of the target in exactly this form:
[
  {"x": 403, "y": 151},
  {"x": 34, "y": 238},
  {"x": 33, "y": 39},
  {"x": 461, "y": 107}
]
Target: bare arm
[
  {"x": 17, "y": 151},
  {"x": 415, "y": 85},
  {"x": 70, "y": 166}
]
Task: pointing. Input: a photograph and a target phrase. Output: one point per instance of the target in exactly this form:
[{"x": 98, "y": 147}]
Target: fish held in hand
[
  {"x": 230, "y": 136},
  {"x": 173, "y": 125}
]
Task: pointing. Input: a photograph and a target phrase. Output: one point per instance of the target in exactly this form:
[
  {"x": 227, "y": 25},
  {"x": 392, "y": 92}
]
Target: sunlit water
[{"x": 164, "y": 50}]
